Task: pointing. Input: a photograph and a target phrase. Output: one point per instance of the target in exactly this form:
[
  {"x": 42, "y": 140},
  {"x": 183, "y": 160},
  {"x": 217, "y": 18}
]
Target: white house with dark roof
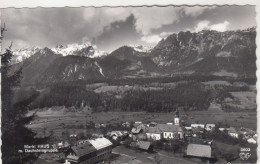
[
  {"x": 210, "y": 127},
  {"x": 198, "y": 126}
]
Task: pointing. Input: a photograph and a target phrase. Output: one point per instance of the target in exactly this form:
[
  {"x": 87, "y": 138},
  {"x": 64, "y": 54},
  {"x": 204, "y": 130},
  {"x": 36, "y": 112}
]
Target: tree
[{"x": 14, "y": 134}]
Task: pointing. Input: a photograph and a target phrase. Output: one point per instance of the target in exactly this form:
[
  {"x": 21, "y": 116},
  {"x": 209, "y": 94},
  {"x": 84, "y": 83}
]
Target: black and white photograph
[{"x": 172, "y": 84}]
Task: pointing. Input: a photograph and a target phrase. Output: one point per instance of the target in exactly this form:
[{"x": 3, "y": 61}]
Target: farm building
[
  {"x": 90, "y": 152},
  {"x": 197, "y": 150}
]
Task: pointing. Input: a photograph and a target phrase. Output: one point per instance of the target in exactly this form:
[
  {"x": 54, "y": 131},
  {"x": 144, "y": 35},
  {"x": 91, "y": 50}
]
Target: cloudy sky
[{"x": 110, "y": 28}]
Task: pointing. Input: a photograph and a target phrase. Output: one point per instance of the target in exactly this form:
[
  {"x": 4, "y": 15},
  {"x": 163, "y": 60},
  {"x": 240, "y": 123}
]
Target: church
[{"x": 166, "y": 131}]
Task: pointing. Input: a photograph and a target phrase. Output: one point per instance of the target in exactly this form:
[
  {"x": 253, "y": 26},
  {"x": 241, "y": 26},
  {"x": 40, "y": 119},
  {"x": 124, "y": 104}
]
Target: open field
[{"x": 235, "y": 119}]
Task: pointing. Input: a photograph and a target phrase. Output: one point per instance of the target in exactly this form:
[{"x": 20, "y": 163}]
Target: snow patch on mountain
[
  {"x": 99, "y": 54},
  {"x": 141, "y": 48},
  {"x": 21, "y": 54},
  {"x": 70, "y": 48},
  {"x": 100, "y": 69}
]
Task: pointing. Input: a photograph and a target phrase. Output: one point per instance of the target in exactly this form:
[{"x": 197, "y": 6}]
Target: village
[{"x": 156, "y": 142}]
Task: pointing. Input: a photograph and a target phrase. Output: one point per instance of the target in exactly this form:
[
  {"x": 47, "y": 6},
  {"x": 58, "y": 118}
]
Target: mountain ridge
[{"x": 230, "y": 53}]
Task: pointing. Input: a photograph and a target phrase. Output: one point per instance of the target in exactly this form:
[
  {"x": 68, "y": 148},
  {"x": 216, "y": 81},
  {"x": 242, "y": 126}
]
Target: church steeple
[{"x": 176, "y": 118}]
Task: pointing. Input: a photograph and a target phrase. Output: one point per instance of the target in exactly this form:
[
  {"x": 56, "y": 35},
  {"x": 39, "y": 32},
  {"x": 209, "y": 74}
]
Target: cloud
[
  {"x": 149, "y": 18},
  {"x": 117, "y": 34},
  {"x": 220, "y": 27},
  {"x": 54, "y": 26},
  {"x": 151, "y": 39},
  {"x": 69, "y": 25},
  {"x": 99, "y": 18},
  {"x": 165, "y": 34},
  {"x": 196, "y": 10},
  {"x": 206, "y": 25},
  {"x": 202, "y": 25}
]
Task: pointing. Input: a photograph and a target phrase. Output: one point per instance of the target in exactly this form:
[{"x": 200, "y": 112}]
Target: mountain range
[{"x": 230, "y": 53}]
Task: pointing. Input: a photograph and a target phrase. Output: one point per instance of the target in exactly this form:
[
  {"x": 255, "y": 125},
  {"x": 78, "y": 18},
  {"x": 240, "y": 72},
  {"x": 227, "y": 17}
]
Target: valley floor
[{"x": 56, "y": 120}]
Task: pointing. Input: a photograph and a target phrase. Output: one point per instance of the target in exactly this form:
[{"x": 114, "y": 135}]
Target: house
[
  {"x": 188, "y": 133},
  {"x": 197, "y": 150},
  {"x": 136, "y": 130},
  {"x": 188, "y": 128},
  {"x": 126, "y": 124},
  {"x": 61, "y": 145},
  {"x": 232, "y": 132},
  {"x": 196, "y": 132},
  {"x": 141, "y": 137},
  {"x": 154, "y": 135},
  {"x": 141, "y": 126},
  {"x": 90, "y": 152},
  {"x": 221, "y": 129},
  {"x": 145, "y": 145},
  {"x": 82, "y": 142},
  {"x": 209, "y": 127},
  {"x": 73, "y": 137},
  {"x": 137, "y": 123},
  {"x": 97, "y": 125},
  {"x": 164, "y": 131},
  {"x": 247, "y": 131},
  {"x": 97, "y": 135},
  {"x": 116, "y": 134},
  {"x": 152, "y": 124},
  {"x": 197, "y": 126},
  {"x": 251, "y": 140}
]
